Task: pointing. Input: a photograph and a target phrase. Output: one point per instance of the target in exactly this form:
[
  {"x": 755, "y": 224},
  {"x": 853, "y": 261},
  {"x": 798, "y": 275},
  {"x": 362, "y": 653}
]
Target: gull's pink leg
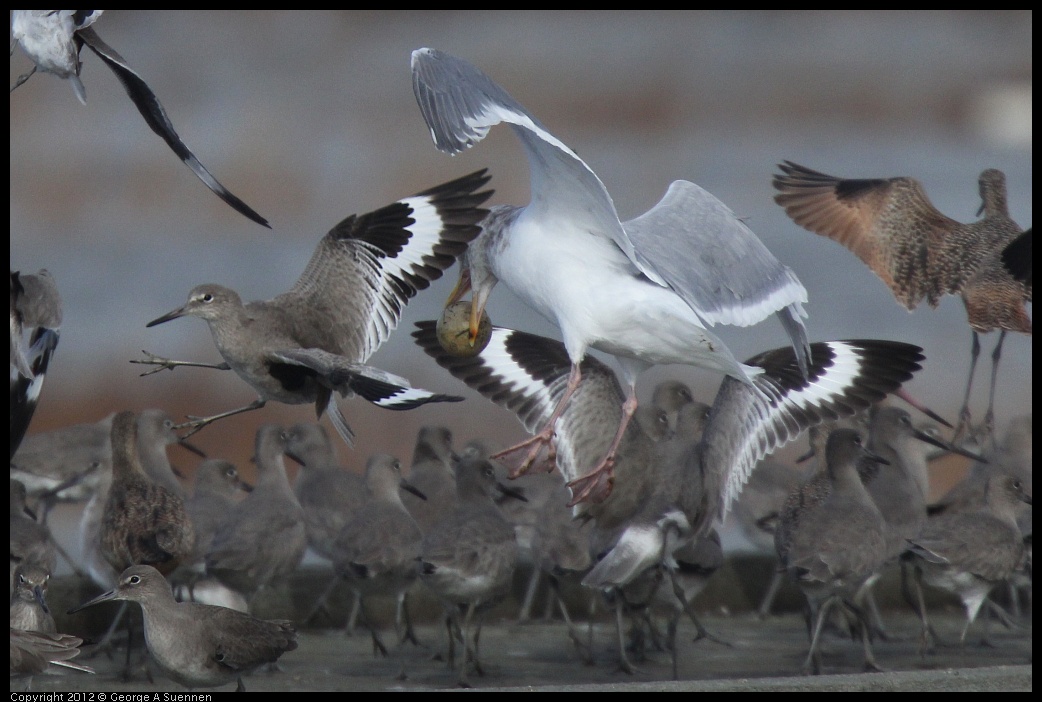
[
  {"x": 600, "y": 481},
  {"x": 544, "y": 437}
]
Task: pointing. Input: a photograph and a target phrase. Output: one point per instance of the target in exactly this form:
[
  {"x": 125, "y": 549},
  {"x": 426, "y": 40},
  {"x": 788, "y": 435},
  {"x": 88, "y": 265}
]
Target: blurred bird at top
[
  {"x": 919, "y": 252},
  {"x": 52, "y": 39},
  {"x": 643, "y": 291}
]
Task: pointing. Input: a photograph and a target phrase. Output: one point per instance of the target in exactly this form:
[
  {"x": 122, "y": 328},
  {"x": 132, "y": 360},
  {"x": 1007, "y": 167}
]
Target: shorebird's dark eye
[
  {"x": 207, "y": 297},
  {"x": 135, "y": 579}
]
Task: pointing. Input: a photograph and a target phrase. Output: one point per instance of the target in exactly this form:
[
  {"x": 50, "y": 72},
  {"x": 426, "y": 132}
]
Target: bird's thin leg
[
  {"x": 764, "y": 610},
  {"x": 167, "y": 364},
  {"x": 624, "y": 662},
  {"x": 1001, "y": 614},
  {"x": 321, "y": 603},
  {"x": 671, "y": 633},
  {"x": 378, "y": 645},
  {"x": 573, "y": 634},
  {"x": 544, "y": 437},
  {"x": 409, "y": 632},
  {"x": 197, "y": 423},
  {"x": 812, "y": 666},
  {"x": 600, "y": 481},
  {"x": 533, "y": 586},
  {"x": 988, "y": 430},
  {"x": 964, "y": 413},
  {"x": 477, "y": 638},
  {"x": 861, "y": 618},
  {"x": 461, "y": 678},
  {"x": 866, "y": 598},
  {"x": 685, "y": 605},
  {"x": 106, "y": 645},
  {"x": 22, "y": 78},
  {"x": 927, "y": 637}
]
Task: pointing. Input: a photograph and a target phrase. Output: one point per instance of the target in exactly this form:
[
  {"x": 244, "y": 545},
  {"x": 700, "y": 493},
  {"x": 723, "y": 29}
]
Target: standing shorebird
[
  {"x": 918, "y": 252},
  {"x": 216, "y": 483},
  {"x": 31, "y": 541},
  {"x": 831, "y": 538},
  {"x": 29, "y": 610},
  {"x": 263, "y": 537},
  {"x": 377, "y": 551},
  {"x": 431, "y": 472},
  {"x": 644, "y": 291},
  {"x": 52, "y": 39},
  {"x": 144, "y": 523},
  {"x": 329, "y": 495},
  {"x": 305, "y": 344},
  {"x": 199, "y": 645},
  {"x": 968, "y": 552},
  {"x": 154, "y": 431},
  {"x": 468, "y": 557}
]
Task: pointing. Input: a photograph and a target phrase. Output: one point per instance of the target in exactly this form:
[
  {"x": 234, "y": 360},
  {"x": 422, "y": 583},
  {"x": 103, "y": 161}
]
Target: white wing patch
[
  {"x": 389, "y": 280},
  {"x": 766, "y": 425}
]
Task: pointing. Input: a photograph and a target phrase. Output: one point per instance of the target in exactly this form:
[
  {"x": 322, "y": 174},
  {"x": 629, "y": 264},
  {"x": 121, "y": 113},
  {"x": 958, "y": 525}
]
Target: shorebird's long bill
[
  {"x": 179, "y": 312},
  {"x": 191, "y": 448},
  {"x": 508, "y": 491},
  {"x": 104, "y": 597},
  {"x": 904, "y": 395},
  {"x": 951, "y": 448},
  {"x": 40, "y": 598},
  {"x": 875, "y": 457},
  {"x": 409, "y": 487}
]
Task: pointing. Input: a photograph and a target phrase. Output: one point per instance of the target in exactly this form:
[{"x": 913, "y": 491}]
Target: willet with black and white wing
[{"x": 312, "y": 342}]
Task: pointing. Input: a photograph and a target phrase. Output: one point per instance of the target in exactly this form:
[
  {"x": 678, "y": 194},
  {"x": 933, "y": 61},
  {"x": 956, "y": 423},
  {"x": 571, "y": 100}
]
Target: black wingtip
[{"x": 155, "y": 116}]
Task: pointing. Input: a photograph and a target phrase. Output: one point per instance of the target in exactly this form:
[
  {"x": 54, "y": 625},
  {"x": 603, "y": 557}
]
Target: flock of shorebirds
[{"x": 636, "y": 492}]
